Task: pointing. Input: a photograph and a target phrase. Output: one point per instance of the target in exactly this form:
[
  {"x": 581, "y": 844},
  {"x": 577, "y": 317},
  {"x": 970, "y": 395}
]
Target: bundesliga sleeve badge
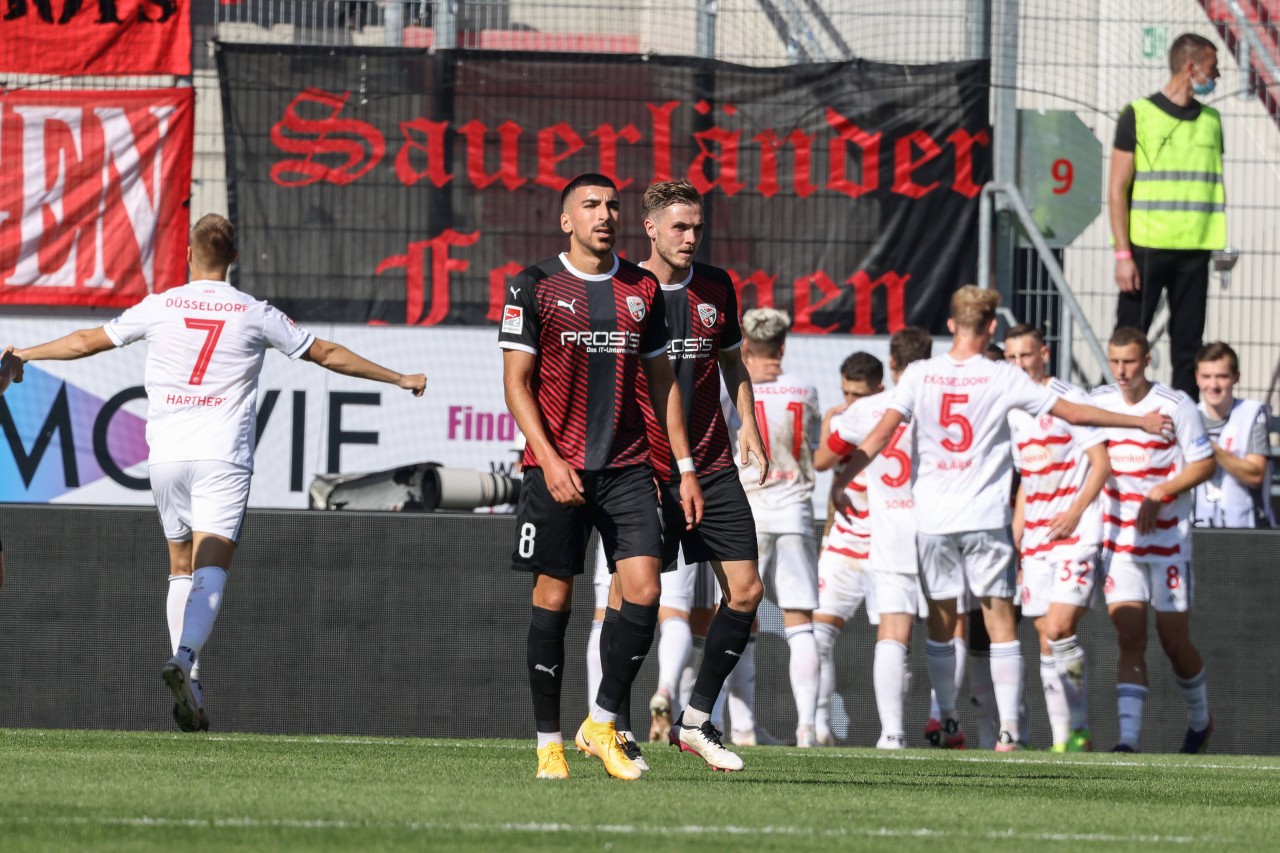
[
  {"x": 512, "y": 319},
  {"x": 636, "y": 306}
]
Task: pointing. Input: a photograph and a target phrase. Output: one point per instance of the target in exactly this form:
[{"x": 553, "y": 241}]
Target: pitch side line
[{"x": 619, "y": 829}]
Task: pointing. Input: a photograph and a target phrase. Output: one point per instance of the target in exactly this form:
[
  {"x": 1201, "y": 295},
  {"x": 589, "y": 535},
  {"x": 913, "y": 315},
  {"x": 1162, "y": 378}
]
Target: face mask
[{"x": 1204, "y": 88}]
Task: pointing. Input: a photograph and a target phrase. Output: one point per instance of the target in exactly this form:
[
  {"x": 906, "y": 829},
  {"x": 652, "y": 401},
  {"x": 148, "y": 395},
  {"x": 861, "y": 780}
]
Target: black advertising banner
[{"x": 406, "y": 187}]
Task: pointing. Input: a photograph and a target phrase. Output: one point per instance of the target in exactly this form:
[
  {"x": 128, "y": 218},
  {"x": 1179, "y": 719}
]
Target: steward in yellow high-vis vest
[{"x": 1167, "y": 202}]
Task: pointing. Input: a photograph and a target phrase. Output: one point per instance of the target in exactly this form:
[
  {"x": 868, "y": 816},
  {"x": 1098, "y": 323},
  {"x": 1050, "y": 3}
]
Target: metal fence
[{"x": 1089, "y": 56}]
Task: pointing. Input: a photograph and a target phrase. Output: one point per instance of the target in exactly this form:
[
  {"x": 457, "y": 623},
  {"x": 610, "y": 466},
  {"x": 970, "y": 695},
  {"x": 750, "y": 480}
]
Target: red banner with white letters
[
  {"x": 94, "y": 189},
  {"x": 102, "y": 37}
]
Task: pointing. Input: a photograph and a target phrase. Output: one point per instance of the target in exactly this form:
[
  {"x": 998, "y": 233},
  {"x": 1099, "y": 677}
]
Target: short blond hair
[
  {"x": 213, "y": 243},
  {"x": 766, "y": 330},
  {"x": 973, "y": 308}
]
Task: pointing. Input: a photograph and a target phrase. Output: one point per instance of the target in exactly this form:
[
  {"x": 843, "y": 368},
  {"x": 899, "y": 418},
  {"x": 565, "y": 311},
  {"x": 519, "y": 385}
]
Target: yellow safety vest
[{"x": 1178, "y": 200}]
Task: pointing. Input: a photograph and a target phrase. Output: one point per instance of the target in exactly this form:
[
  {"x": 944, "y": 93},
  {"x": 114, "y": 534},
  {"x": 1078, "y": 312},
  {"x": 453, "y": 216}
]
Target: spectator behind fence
[
  {"x": 1239, "y": 492},
  {"x": 1167, "y": 202}
]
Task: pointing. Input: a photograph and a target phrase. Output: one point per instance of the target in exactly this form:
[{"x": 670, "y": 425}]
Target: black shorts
[
  {"x": 727, "y": 532},
  {"x": 551, "y": 538}
]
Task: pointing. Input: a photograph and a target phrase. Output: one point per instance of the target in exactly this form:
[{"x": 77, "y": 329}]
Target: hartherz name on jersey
[
  {"x": 192, "y": 400},
  {"x": 619, "y": 342}
]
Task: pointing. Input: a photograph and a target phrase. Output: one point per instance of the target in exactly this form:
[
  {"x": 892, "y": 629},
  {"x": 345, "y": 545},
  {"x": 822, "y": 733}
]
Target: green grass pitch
[{"x": 76, "y": 790}]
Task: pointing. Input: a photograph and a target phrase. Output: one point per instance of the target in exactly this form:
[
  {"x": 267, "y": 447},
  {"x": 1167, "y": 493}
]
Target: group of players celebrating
[{"x": 613, "y": 373}]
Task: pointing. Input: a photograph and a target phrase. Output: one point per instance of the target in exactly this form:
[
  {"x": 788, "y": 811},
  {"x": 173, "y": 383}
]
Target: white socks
[
  {"x": 203, "y": 603},
  {"x": 825, "y": 635},
  {"x": 1068, "y": 659},
  {"x": 804, "y": 672},
  {"x": 1196, "y": 693},
  {"x": 1055, "y": 700},
  {"x": 1130, "y": 701},
  {"x": 1006, "y": 678},
  {"x": 175, "y": 607},
  {"x": 888, "y": 671},
  {"x": 674, "y": 648},
  {"x": 941, "y": 661},
  {"x": 595, "y": 668}
]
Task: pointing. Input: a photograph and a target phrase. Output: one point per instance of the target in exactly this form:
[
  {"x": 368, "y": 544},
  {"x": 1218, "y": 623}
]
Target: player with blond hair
[
  {"x": 961, "y": 480},
  {"x": 789, "y": 420},
  {"x": 205, "y": 345}
]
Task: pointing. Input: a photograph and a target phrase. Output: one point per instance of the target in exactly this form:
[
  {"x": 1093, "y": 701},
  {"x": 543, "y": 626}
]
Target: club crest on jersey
[
  {"x": 1046, "y": 421},
  {"x": 636, "y": 306},
  {"x": 512, "y": 319},
  {"x": 707, "y": 314}
]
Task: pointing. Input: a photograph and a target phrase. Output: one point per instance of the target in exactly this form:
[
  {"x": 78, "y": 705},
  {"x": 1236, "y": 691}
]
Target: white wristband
[{"x": 685, "y": 465}]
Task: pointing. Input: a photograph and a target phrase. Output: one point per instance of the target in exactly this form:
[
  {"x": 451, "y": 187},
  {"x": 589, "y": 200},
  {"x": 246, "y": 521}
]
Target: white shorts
[
  {"x": 978, "y": 560},
  {"x": 208, "y": 496},
  {"x": 1167, "y": 585},
  {"x": 1063, "y": 580},
  {"x": 843, "y": 585},
  {"x": 896, "y": 592},
  {"x": 790, "y": 562},
  {"x": 687, "y": 586}
]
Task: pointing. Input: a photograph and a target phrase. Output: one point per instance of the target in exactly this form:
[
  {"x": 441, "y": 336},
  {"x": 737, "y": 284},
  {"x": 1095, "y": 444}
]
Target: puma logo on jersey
[
  {"x": 549, "y": 670},
  {"x": 638, "y": 657},
  {"x": 731, "y": 652},
  {"x": 560, "y": 303}
]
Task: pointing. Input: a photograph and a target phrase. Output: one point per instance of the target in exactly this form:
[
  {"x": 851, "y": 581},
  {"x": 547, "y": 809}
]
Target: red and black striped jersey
[
  {"x": 589, "y": 334},
  {"x": 702, "y": 317}
]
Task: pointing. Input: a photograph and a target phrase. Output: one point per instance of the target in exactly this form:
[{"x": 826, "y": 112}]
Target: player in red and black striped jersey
[
  {"x": 577, "y": 331},
  {"x": 706, "y": 341}
]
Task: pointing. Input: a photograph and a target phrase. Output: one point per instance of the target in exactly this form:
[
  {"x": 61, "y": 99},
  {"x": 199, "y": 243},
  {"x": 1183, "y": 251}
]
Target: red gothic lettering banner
[
  {"x": 400, "y": 186},
  {"x": 103, "y": 37},
  {"x": 94, "y": 189}
]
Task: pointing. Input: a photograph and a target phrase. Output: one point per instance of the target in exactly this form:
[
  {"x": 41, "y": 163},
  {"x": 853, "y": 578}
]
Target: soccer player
[
  {"x": 577, "y": 330},
  {"x": 206, "y": 342},
  {"x": 961, "y": 482},
  {"x": 790, "y": 421},
  {"x": 1239, "y": 492},
  {"x": 1057, "y": 527},
  {"x": 842, "y": 569},
  {"x": 893, "y": 565},
  {"x": 702, "y": 317},
  {"x": 1146, "y": 547}
]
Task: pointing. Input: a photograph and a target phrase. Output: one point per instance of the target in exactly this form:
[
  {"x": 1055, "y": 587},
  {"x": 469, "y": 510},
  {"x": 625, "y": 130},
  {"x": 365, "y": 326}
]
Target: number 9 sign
[
  {"x": 1064, "y": 175},
  {"x": 1059, "y": 173}
]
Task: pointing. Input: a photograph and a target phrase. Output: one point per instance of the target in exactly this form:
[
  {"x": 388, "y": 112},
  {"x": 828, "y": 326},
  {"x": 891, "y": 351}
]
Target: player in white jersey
[
  {"x": 961, "y": 482},
  {"x": 1239, "y": 492},
  {"x": 1147, "y": 536},
  {"x": 205, "y": 345},
  {"x": 843, "y": 585},
  {"x": 1057, "y": 526},
  {"x": 893, "y": 574},
  {"x": 789, "y": 420}
]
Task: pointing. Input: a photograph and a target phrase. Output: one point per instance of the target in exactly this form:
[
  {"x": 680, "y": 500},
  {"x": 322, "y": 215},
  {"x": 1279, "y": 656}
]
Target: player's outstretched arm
[
  {"x": 339, "y": 359},
  {"x": 1079, "y": 414},
  {"x": 738, "y": 381},
  {"x": 1189, "y": 477},
  {"x": 563, "y": 482},
  {"x": 78, "y": 344},
  {"x": 668, "y": 408}
]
